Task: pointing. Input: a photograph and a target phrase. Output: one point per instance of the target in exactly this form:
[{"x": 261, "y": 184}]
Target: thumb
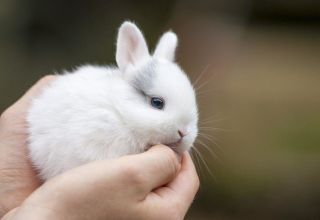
[{"x": 157, "y": 166}]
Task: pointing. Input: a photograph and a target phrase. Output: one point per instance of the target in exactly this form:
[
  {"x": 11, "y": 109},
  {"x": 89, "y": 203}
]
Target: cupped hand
[
  {"x": 152, "y": 185},
  {"x": 148, "y": 186},
  {"x": 17, "y": 177}
]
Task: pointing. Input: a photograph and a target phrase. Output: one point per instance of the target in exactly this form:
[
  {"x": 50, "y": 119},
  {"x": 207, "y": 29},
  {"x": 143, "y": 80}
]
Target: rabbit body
[{"x": 102, "y": 112}]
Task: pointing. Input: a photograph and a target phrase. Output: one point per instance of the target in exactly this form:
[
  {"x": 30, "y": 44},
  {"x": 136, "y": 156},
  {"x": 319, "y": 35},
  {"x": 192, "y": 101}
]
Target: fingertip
[
  {"x": 37, "y": 88},
  {"x": 166, "y": 151},
  {"x": 187, "y": 182},
  {"x": 160, "y": 165},
  {"x": 163, "y": 149},
  {"x": 46, "y": 79}
]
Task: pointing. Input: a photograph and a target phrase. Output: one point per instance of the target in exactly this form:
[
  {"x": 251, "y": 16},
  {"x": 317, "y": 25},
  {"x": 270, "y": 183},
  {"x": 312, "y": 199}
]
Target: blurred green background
[{"x": 259, "y": 98}]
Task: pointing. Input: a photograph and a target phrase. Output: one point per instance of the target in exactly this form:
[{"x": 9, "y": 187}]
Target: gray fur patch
[{"x": 144, "y": 78}]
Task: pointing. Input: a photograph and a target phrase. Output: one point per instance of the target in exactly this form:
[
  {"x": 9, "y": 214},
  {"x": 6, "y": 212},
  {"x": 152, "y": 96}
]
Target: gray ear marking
[
  {"x": 166, "y": 46},
  {"x": 143, "y": 80},
  {"x": 131, "y": 46}
]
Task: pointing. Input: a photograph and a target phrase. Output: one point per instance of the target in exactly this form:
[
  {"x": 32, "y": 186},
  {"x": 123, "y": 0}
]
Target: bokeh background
[{"x": 259, "y": 94}]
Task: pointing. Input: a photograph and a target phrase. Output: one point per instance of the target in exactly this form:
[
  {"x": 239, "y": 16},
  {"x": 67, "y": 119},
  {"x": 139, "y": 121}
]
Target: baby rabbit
[{"x": 102, "y": 112}]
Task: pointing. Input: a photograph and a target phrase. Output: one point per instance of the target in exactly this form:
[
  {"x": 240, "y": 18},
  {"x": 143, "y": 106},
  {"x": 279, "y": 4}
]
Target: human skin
[
  {"x": 152, "y": 185},
  {"x": 17, "y": 177}
]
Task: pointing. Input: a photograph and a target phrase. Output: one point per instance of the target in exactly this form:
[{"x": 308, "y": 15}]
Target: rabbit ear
[
  {"x": 131, "y": 46},
  {"x": 166, "y": 46}
]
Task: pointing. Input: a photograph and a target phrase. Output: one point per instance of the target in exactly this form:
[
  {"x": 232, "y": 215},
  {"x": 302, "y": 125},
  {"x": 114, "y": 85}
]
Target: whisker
[
  {"x": 213, "y": 129},
  {"x": 204, "y": 92},
  {"x": 214, "y": 118},
  {"x": 203, "y": 162},
  {"x": 213, "y": 139},
  {"x": 202, "y": 85},
  {"x": 194, "y": 84},
  {"x": 208, "y": 135},
  {"x": 210, "y": 150},
  {"x": 207, "y": 124},
  {"x": 197, "y": 161}
]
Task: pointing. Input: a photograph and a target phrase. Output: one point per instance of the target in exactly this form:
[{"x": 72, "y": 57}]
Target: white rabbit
[{"x": 101, "y": 112}]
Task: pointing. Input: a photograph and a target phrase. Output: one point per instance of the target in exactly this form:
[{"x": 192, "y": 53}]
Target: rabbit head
[{"x": 162, "y": 107}]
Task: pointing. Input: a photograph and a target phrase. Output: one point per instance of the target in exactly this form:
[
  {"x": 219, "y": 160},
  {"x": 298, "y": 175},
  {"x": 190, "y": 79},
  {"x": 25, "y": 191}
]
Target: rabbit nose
[{"x": 181, "y": 134}]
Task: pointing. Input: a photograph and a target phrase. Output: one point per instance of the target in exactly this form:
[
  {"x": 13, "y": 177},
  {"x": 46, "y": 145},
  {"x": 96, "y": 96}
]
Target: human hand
[
  {"x": 148, "y": 186},
  {"x": 18, "y": 180},
  {"x": 17, "y": 177}
]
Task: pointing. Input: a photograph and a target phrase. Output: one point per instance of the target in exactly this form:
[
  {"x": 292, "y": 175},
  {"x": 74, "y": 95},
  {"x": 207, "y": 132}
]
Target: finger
[
  {"x": 22, "y": 104},
  {"x": 175, "y": 197},
  {"x": 186, "y": 183},
  {"x": 18, "y": 110},
  {"x": 10, "y": 214},
  {"x": 153, "y": 168},
  {"x": 36, "y": 88}
]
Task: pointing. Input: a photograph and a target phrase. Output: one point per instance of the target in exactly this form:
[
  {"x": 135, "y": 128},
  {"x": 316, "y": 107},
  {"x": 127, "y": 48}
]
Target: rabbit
[{"x": 105, "y": 112}]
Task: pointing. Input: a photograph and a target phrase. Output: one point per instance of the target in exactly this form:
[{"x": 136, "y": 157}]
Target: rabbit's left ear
[
  {"x": 131, "y": 46},
  {"x": 166, "y": 46}
]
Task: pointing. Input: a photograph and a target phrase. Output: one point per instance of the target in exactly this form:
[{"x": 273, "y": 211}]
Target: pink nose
[{"x": 181, "y": 134}]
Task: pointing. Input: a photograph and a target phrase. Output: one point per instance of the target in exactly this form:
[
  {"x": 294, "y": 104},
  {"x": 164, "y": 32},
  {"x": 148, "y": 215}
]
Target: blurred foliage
[{"x": 259, "y": 98}]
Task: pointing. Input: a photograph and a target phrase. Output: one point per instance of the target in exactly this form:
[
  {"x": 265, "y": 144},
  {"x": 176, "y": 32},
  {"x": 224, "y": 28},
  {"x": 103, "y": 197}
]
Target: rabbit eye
[{"x": 157, "y": 102}]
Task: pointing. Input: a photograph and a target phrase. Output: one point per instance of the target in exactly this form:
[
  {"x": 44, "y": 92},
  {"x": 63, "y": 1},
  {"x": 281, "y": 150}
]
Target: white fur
[
  {"x": 167, "y": 46},
  {"x": 131, "y": 46},
  {"x": 96, "y": 113}
]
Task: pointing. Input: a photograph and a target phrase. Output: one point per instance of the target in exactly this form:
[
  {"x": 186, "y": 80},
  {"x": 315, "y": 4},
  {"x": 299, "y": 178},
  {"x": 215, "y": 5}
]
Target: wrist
[{"x": 44, "y": 203}]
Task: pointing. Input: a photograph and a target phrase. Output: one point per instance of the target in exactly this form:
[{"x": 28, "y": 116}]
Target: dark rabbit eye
[{"x": 157, "y": 102}]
